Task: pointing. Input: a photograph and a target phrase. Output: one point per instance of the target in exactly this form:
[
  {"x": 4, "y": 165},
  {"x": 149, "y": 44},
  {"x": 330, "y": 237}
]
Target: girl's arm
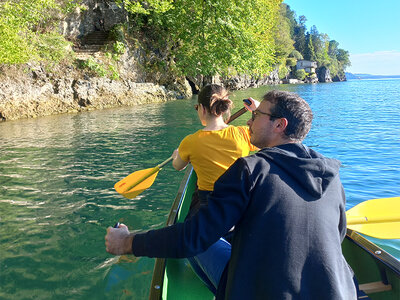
[{"x": 178, "y": 163}]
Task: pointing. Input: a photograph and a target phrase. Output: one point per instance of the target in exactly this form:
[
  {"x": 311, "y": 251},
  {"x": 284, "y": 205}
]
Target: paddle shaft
[
  {"x": 165, "y": 162},
  {"x": 236, "y": 115}
]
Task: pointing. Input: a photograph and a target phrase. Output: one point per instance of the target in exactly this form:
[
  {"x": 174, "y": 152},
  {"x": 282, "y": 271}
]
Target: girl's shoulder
[
  {"x": 192, "y": 136},
  {"x": 244, "y": 130}
]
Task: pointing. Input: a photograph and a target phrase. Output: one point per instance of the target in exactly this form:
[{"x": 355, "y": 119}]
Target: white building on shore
[{"x": 308, "y": 66}]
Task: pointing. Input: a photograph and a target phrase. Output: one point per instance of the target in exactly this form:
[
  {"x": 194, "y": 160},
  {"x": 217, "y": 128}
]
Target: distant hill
[{"x": 368, "y": 76}]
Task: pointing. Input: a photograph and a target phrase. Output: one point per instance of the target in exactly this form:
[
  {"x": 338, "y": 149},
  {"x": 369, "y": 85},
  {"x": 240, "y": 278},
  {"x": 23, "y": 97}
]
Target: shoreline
[{"x": 39, "y": 93}]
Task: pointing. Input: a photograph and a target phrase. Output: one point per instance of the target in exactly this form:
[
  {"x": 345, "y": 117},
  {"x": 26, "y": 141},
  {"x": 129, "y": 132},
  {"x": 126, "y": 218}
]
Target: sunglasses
[{"x": 256, "y": 112}]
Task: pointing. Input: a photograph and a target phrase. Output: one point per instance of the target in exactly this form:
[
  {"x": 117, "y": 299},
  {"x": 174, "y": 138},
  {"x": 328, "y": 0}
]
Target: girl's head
[{"x": 214, "y": 98}]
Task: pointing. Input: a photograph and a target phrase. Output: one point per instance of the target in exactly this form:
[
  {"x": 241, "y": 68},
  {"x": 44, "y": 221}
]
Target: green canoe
[{"x": 377, "y": 272}]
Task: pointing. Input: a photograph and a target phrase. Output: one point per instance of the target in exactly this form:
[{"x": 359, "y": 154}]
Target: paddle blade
[
  {"x": 379, "y": 218},
  {"x": 132, "y": 185},
  {"x": 380, "y": 231}
]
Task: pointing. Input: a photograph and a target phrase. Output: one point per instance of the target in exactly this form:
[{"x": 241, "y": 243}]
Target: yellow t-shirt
[{"x": 211, "y": 153}]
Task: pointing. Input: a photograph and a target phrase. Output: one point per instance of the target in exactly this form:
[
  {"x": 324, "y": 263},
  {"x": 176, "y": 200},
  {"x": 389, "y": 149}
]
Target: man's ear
[{"x": 281, "y": 124}]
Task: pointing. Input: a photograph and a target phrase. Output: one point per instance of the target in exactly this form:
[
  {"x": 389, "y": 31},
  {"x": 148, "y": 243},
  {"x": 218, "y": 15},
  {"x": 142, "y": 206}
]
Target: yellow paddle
[
  {"x": 379, "y": 218},
  {"x": 138, "y": 181},
  {"x": 135, "y": 183}
]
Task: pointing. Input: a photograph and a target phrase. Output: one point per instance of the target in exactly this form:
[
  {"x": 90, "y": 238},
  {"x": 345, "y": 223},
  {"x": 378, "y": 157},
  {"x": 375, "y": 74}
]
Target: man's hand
[
  {"x": 119, "y": 240},
  {"x": 251, "y": 104}
]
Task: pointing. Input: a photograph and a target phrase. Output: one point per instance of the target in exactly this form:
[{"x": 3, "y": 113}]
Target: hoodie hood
[{"x": 310, "y": 169}]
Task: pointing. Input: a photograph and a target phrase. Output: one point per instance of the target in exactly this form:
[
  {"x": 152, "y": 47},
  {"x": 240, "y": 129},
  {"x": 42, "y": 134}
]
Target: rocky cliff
[
  {"x": 38, "y": 93},
  {"x": 36, "y": 90}
]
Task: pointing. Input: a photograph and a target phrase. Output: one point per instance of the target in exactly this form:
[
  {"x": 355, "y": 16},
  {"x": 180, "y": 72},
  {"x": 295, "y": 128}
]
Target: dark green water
[{"x": 57, "y": 175}]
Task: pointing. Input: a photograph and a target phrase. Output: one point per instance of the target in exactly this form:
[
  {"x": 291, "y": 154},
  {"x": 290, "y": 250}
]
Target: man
[{"x": 288, "y": 208}]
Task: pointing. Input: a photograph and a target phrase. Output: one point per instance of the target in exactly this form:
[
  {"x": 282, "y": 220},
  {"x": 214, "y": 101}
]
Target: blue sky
[{"x": 369, "y": 30}]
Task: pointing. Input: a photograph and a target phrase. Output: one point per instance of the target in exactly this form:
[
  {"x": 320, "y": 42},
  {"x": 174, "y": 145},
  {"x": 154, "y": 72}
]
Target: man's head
[{"x": 281, "y": 118}]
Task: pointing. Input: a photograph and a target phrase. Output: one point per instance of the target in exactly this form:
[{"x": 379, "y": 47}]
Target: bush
[
  {"x": 291, "y": 62},
  {"x": 300, "y": 74},
  {"x": 296, "y": 54},
  {"x": 28, "y": 31},
  {"x": 92, "y": 65},
  {"x": 117, "y": 33},
  {"x": 283, "y": 71}
]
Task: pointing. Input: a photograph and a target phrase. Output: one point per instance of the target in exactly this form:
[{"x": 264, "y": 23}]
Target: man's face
[{"x": 261, "y": 127}]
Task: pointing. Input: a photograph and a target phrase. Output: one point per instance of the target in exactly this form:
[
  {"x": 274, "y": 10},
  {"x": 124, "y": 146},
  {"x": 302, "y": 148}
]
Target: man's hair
[{"x": 295, "y": 109}]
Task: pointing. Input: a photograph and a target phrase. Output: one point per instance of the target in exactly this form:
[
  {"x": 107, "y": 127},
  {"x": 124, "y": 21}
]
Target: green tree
[
  {"x": 146, "y": 7},
  {"x": 296, "y": 54},
  {"x": 282, "y": 34},
  {"x": 309, "y": 53},
  {"x": 343, "y": 58},
  {"x": 333, "y": 48},
  {"x": 291, "y": 17},
  {"x": 28, "y": 30},
  {"x": 316, "y": 46},
  {"x": 300, "y": 35},
  {"x": 222, "y": 36},
  {"x": 300, "y": 74}
]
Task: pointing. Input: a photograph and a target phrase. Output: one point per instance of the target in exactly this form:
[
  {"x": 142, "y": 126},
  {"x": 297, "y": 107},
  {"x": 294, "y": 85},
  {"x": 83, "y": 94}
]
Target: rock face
[
  {"x": 339, "y": 77},
  {"x": 33, "y": 96},
  {"x": 238, "y": 82},
  {"x": 311, "y": 79},
  {"x": 92, "y": 15},
  {"x": 245, "y": 81},
  {"x": 38, "y": 92},
  {"x": 324, "y": 74}
]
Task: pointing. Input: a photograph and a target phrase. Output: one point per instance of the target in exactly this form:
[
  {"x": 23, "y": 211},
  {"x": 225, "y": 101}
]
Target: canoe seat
[
  {"x": 362, "y": 296},
  {"x": 374, "y": 287}
]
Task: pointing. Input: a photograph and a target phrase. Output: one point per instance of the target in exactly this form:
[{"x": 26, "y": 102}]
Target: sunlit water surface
[{"x": 57, "y": 175}]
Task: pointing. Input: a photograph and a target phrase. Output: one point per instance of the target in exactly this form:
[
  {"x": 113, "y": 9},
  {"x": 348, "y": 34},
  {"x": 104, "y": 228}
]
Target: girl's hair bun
[{"x": 215, "y": 98}]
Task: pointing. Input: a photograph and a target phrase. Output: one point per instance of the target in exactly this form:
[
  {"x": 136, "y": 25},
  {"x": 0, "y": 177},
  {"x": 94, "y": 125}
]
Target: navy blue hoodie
[{"x": 288, "y": 208}]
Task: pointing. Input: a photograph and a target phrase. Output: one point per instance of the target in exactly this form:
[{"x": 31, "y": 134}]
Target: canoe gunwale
[
  {"x": 378, "y": 253},
  {"x": 159, "y": 266}
]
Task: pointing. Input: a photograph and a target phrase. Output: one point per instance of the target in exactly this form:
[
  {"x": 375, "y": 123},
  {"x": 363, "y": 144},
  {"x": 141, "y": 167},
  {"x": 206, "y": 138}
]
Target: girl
[{"x": 211, "y": 151}]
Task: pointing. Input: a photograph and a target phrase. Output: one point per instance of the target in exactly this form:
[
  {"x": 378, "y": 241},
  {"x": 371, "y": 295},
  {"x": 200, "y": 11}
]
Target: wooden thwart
[{"x": 375, "y": 287}]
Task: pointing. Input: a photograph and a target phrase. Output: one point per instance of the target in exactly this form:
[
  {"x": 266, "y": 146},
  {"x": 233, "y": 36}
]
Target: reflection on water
[{"x": 57, "y": 175}]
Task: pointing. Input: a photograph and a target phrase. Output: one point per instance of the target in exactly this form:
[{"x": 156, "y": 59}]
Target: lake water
[{"x": 57, "y": 175}]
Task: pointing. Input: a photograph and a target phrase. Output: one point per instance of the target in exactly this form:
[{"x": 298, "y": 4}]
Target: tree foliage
[
  {"x": 187, "y": 37},
  {"x": 300, "y": 74},
  {"x": 296, "y": 54},
  {"x": 211, "y": 37},
  {"x": 283, "y": 34},
  {"x": 28, "y": 30},
  {"x": 146, "y": 7}
]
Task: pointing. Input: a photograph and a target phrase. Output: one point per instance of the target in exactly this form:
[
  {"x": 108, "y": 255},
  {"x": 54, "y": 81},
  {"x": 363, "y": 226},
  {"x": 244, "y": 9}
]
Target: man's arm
[{"x": 225, "y": 207}]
